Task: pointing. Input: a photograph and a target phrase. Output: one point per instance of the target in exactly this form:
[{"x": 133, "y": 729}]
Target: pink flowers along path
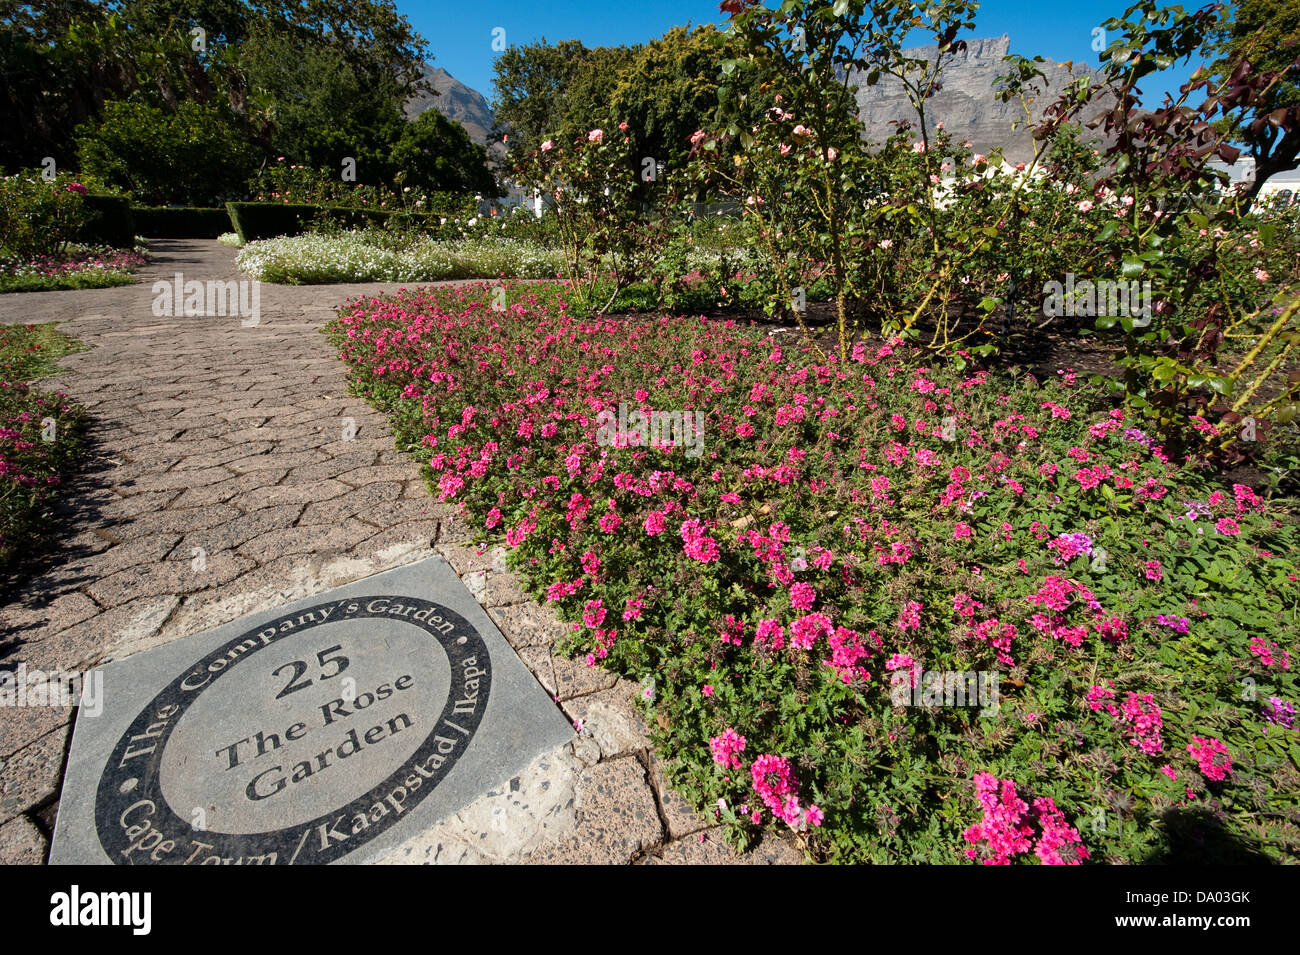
[{"x": 243, "y": 442}]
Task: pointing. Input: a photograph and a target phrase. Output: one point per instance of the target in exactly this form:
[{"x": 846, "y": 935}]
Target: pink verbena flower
[
  {"x": 769, "y": 634},
  {"x": 910, "y": 617},
  {"x": 1212, "y": 758},
  {"x": 802, "y": 596},
  {"x": 726, "y": 748}
]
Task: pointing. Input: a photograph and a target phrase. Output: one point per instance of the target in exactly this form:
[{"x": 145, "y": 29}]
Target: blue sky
[{"x": 460, "y": 35}]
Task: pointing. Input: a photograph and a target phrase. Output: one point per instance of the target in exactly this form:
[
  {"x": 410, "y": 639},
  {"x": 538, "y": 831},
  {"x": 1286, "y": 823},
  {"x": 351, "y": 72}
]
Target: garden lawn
[
  {"x": 318, "y": 258},
  {"x": 908, "y": 614},
  {"x": 40, "y": 440}
]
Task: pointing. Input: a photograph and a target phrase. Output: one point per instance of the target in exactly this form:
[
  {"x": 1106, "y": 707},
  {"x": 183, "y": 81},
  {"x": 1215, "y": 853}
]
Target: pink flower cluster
[
  {"x": 1058, "y": 594},
  {"x": 726, "y": 748},
  {"x": 698, "y": 545},
  {"x": 910, "y": 618},
  {"x": 992, "y": 631},
  {"x": 776, "y": 786},
  {"x": 848, "y": 651},
  {"x": 1008, "y": 830},
  {"x": 1212, "y": 758},
  {"x": 1269, "y": 653}
]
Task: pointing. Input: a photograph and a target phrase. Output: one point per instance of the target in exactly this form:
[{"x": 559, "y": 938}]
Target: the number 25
[{"x": 296, "y": 682}]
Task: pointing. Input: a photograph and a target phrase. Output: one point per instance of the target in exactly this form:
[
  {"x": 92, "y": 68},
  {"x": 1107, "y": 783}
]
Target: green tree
[
  {"x": 1266, "y": 35},
  {"x": 62, "y": 60},
  {"x": 317, "y": 109},
  {"x": 437, "y": 154},
  {"x": 541, "y": 88},
  {"x": 671, "y": 88},
  {"x": 193, "y": 154}
]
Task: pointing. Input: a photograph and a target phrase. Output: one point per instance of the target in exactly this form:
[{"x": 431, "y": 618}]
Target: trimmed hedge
[
  {"x": 108, "y": 222},
  {"x": 161, "y": 222},
  {"x": 269, "y": 220}
]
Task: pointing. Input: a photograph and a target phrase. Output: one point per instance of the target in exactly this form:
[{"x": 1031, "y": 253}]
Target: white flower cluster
[{"x": 353, "y": 257}]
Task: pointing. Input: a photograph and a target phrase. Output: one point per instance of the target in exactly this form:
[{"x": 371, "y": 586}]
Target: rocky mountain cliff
[
  {"x": 459, "y": 103},
  {"x": 966, "y": 105}
]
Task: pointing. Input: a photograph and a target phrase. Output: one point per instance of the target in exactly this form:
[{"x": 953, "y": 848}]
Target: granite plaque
[{"x": 328, "y": 730}]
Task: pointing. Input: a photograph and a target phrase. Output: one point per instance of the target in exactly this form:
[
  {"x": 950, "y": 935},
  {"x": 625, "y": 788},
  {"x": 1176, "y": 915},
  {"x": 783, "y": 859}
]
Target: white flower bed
[{"x": 353, "y": 257}]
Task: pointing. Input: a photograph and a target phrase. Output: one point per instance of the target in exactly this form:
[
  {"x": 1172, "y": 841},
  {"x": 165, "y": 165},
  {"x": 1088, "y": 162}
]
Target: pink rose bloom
[
  {"x": 548, "y": 145},
  {"x": 1085, "y": 206},
  {"x": 596, "y": 135},
  {"x": 696, "y": 137}
]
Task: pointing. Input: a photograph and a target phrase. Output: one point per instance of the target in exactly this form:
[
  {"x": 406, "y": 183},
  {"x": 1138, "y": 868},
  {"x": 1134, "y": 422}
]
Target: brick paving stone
[
  {"x": 414, "y": 538},
  {"x": 681, "y": 819},
  {"x": 363, "y": 502},
  {"x": 94, "y": 640},
  {"x": 178, "y": 576},
  {"x": 617, "y": 819},
  {"x": 19, "y": 725},
  {"x": 370, "y": 475},
  {"x": 180, "y": 519},
  {"x": 528, "y": 625},
  {"x": 316, "y": 539},
  {"x": 166, "y": 481},
  {"x": 31, "y": 775},
  {"x": 21, "y": 843},
  {"x": 52, "y": 615},
  {"x": 248, "y": 492},
  {"x": 323, "y": 470},
  {"x": 148, "y": 549},
  {"x": 141, "y": 503},
  {"x": 574, "y": 678},
  {"x": 243, "y": 529},
  {"x": 255, "y": 462}
]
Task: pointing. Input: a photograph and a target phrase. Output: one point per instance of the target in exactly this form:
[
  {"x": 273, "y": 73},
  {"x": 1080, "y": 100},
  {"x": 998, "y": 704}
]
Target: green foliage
[
  {"x": 605, "y": 230},
  {"x": 540, "y": 89},
  {"x": 670, "y": 89},
  {"x": 108, "y": 221},
  {"x": 41, "y": 444},
  {"x": 65, "y": 59},
  {"x": 434, "y": 153},
  {"x": 193, "y": 153},
  {"x": 39, "y": 217},
  {"x": 1264, "y": 34}
]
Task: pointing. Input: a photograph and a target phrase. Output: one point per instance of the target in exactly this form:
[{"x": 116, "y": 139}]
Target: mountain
[
  {"x": 966, "y": 105},
  {"x": 461, "y": 104}
]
